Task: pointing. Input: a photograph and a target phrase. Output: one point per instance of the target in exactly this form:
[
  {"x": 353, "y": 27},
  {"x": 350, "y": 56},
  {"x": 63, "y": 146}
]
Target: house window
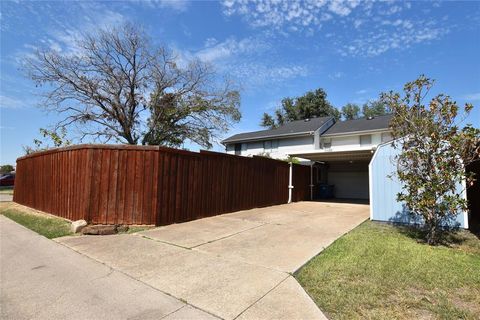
[
  {"x": 386, "y": 136},
  {"x": 366, "y": 140},
  {"x": 267, "y": 146},
  {"x": 244, "y": 147},
  {"x": 327, "y": 143},
  {"x": 230, "y": 148},
  {"x": 238, "y": 149},
  {"x": 275, "y": 145}
]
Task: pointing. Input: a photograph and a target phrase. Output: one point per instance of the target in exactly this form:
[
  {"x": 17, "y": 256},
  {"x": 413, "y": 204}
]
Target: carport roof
[{"x": 324, "y": 156}]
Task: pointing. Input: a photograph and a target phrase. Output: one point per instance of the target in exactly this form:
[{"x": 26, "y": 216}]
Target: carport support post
[{"x": 290, "y": 186}]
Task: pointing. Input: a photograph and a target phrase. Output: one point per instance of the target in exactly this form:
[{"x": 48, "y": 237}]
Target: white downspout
[{"x": 290, "y": 186}]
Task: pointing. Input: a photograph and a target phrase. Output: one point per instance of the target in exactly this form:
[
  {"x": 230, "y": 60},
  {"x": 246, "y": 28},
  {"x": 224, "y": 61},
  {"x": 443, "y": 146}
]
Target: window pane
[
  {"x": 327, "y": 143},
  {"x": 365, "y": 140},
  {"x": 267, "y": 145},
  {"x": 386, "y": 136},
  {"x": 275, "y": 144},
  {"x": 238, "y": 148}
]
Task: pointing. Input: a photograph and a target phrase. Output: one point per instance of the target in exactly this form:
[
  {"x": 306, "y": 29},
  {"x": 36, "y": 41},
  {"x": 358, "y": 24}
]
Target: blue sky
[{"x": 354, "y": 50}]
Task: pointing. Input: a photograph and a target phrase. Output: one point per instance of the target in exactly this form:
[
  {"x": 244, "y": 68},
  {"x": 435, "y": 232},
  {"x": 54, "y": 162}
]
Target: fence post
[{"x": 290, "y": 186}]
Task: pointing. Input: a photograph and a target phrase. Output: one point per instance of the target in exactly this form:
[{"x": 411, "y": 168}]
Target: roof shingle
[
  {"x": 358, "y": 125},
  {"x": 290, "y": 128}
]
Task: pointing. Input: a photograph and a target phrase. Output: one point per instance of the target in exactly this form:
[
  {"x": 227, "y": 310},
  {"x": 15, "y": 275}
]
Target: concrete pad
[
  {"x": 286, "y": 247},
  {"x": 132, "y": 254},
  {"x": 197, "y": 232},
  {"x": 41, "y": 279},
  {"x": 6, "y": 197},
  {"x": 233, "y": 264},
  {"x": 221, "y": 287},
  {"x": 273, "y": 215},
  {"x": 295, "y": 213},
  {"x": 188, "y": 312},
  {"x": 272, "y": 246},
  {"x": 339, "y": 207},
  {"x": 203, "y": 280},
  {"x": 287, "y": 301}
]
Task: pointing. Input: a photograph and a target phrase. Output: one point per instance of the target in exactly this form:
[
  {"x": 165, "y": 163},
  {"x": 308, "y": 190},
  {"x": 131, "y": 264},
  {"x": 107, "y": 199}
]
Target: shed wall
[{"x": 383, "y": 190}]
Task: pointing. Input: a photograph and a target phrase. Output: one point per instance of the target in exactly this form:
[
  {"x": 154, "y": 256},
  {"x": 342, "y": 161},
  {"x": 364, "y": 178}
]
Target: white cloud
[
  {"x": 296, "y": 14},
  {"x": 255, "y": 75},
  {"x": 178, "y": 5},
  {"x": 362, "y": 91},
  {"x": 355, "y": 28},
  {"x": 66, "y": 39},
  {"x": 210, "y": 42},
  {"x": 243, "y": 60},
  {"x": 342, "y": 8},
  {"x": 218, "y": 51},
  {"x": 472, "y": 96},
  {"x": 7, "y": 102},
  {"x": 336, "y": 75},
  {"x": 396, "y": 34}
]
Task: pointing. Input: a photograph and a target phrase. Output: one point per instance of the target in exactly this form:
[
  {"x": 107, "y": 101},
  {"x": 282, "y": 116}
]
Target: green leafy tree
[
  {"x": 50, "y": 139},
  {"x": 350, "y": 111},
  {"x": 375, "y": 108},
  {"x": 268, "y": 121},
  {"x": 291, "y": 159},
  {"x": 6, "y": 168},
  {"x": 311, "y": 104},
  {"x": 103, "y": 91},
  {"x": 433, "y": 153}
]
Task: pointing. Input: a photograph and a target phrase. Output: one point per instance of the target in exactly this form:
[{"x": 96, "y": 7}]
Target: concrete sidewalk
[
  {"x": 235, "y": 266},
  {"x": 5, "y": 197},
  {"x": 41, "y": 279}
]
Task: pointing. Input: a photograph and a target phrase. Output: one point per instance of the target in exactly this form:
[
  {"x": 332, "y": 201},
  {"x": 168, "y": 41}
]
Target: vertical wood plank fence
[{"x": 106, "y": 184}]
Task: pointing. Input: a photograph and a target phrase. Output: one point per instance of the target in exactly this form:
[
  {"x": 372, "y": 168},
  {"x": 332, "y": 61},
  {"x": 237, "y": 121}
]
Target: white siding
[
  {"x": 292, "y": 145},
  {"x": 285, "y": 147},
  {"x": 352, "y": 142},
  {"x": 301, "y": 144},
  {"x": 345, "y": 143}
]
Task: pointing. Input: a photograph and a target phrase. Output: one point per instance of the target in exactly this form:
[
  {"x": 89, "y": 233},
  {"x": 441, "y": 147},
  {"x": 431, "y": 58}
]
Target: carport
[{"x": 345, "y": 171}]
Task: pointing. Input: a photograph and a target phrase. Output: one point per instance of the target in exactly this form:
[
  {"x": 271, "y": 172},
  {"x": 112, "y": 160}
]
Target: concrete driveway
[
  {"x": 41, "y": 279},
  {"x": 234, "y": 266}
]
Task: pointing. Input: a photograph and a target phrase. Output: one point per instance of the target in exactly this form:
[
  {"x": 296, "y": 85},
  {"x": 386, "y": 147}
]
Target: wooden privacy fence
[{"x": 106, "y": 184}]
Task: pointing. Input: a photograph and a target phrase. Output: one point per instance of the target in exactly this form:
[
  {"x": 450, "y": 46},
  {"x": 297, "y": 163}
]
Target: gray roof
[
  {"x": 297, "y": 127},
  {"x": 358, "y": 125}
]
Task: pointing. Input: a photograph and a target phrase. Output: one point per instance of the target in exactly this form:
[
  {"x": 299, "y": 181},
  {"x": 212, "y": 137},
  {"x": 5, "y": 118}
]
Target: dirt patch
[{"x": 467, "y": 299}]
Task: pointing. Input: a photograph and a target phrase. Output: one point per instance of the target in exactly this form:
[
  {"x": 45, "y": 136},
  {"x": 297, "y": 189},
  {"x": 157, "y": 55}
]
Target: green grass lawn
[
  {"x": 379, "y": 271},
  {"x": 49, "y": 227},
  {"x": 6, "y": 190},
  {"x": 135, "y": 229}
]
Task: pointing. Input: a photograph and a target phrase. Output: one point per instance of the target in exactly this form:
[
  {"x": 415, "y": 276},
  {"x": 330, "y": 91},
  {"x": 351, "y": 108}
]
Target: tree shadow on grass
[{"x": 411, "y": 225}]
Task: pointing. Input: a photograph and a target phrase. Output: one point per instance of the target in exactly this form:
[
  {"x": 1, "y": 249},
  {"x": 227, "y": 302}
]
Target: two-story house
[{"x": 339, "y": 151}]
